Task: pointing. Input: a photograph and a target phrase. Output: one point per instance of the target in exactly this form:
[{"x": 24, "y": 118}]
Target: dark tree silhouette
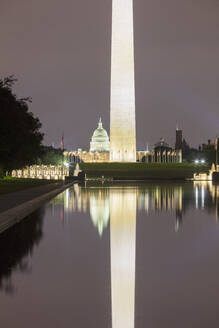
[
  {"x": 20, "y": 136},
  {"x": 51, "y": 156},
  {"x": 190, "y": 154}
]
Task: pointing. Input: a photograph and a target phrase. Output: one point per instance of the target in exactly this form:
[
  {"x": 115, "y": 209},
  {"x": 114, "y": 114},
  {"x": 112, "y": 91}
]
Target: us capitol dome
[
  {"x": 99, "y": 151},
  {"x": 100, "y": 139}
]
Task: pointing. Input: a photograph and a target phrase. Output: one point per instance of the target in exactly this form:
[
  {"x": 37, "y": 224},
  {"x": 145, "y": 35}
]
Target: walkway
[{"x": 13, "y": 199}]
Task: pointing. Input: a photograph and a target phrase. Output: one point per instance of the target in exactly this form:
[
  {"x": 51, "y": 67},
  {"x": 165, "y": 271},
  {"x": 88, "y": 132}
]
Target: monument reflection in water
[
  {"x": 174, "y": 198},
  {"x": 122, "y": 247},
  {"x": 142, "y": 242},
  {"x": 118, "y": 204}
]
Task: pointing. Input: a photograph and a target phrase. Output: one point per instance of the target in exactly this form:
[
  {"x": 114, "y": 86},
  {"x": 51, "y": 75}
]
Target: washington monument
[{"x": 122, "y": 103}]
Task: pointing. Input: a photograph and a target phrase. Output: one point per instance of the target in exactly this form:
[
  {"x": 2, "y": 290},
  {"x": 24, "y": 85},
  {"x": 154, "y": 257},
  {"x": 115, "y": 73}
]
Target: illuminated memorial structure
[
  {"x": 122, "y": 144},
  {"x": 122, "y": 106},
  {"x": 99, "y": 148},
  {"x": 100, "y": 140},
  {"x": 100, "y": 151}
]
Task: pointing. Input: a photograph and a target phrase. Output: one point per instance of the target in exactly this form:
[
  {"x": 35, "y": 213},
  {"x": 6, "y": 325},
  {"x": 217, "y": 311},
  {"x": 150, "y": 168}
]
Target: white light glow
[
  {"x": 203, "y": 195},
  {"x": 196, "y": 197}
]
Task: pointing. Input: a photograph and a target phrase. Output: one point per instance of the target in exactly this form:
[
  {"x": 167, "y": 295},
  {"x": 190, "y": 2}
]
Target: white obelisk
[{"x": 122, "y": 111}]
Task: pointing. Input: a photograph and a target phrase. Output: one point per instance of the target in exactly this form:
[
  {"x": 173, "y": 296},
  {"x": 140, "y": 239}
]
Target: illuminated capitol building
[{"x": 99, "y": 151}]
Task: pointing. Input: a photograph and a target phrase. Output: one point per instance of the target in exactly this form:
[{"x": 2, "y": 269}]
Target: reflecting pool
[{"x": 115, "y": 256}]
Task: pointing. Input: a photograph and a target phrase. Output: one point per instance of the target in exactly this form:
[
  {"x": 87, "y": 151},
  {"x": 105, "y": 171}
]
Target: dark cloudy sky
[{"x": 60, "y": 52}]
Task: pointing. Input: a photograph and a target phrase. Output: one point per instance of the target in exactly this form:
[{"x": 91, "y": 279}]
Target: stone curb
[{"x": 18, "y": 213}]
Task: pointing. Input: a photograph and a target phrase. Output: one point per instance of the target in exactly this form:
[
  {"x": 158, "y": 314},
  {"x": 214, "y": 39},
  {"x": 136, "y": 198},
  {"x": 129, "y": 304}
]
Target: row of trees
[
  {"x": 20, "y": 135},
  {"x": 206, "y": 152},
  {"x": 50, "y": 156}
]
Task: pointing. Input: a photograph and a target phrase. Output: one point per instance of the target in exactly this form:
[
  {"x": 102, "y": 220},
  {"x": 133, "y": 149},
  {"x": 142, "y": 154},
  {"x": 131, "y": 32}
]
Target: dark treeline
[
  {"x": 20, "y": 135},
  {"x": 206, "y": 152},
  {"x": 50, "y": 156}
]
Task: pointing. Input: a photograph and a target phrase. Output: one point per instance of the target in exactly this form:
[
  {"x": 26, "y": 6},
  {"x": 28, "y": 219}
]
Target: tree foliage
[
  {"x": 210, "y": 153},
  {"x": 51, "y": 156},
  {"x": 20, "y": 136},
  {"x": 190, "y": 154},
  {"x": 206, "y": 152}
]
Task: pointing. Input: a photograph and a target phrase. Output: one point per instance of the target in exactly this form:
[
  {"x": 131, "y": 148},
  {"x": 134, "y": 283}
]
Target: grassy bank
[
  {"x": 8, "y": 184},
  {"x": 142, "y": 171}
]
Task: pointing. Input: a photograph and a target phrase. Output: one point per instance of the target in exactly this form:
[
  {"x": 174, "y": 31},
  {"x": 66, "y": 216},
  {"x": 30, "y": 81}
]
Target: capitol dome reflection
[{"x": 100, "y": 209}]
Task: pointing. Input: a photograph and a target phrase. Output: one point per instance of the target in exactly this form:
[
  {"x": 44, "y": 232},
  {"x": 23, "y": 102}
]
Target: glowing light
[
  {"x": 100, "y": 210},
  {"x": 203, "y": 195},
  {"x": 67, "y": 199},
  {"x": 196, "y": 197},
  {"x": 49, "y": 172}
]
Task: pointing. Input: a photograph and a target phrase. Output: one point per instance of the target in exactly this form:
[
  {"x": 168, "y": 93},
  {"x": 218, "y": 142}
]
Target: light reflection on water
[
  {"x": 174, "y": 198},
  {"x": 123, "y": 249},
  {"x": 118, "y": 204},
  {"x": 138, "y": 242}
]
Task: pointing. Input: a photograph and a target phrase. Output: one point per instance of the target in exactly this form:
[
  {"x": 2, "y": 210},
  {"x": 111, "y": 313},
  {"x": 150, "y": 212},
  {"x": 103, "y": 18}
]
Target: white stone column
[{"x": 122, "y": 107}]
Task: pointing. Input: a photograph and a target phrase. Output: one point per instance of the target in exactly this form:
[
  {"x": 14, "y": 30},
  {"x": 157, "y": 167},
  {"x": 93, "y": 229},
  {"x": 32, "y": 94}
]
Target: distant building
[
  {"x": 208, "y": 146},
  {"x": 99, "y": 151},
  {"x": 100, "y": 139},
  {"x": 162, "y": 146},
  {"x": 179, "y": 139},
  {"x": 161, "y": 153}
]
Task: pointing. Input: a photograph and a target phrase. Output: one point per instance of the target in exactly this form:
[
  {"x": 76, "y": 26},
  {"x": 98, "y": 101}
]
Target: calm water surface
[{"x": 115, "y": 256}]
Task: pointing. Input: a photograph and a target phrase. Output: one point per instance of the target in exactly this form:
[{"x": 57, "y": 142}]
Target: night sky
[{"x": 60, "y": 52}]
